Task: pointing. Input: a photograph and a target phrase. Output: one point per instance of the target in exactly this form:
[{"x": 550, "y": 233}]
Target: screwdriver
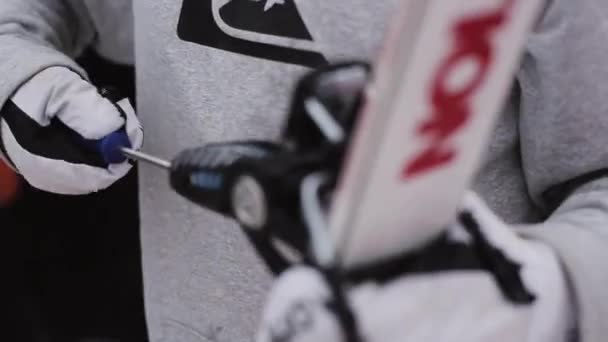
[
  {"x": 147, "y": 158},
  {"x": 211, "y": 176},
  {"x": 189, "y": 175}
]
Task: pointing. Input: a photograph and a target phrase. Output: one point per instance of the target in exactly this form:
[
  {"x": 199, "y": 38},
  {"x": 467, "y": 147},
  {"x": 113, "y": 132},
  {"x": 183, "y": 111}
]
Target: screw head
[{"x": 249, "y": 202}]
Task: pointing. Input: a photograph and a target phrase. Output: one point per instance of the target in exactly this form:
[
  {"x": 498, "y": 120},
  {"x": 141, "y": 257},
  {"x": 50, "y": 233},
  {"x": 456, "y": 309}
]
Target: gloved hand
[
  {"x": 42, "y": 126},
  {"x": 447, "y": 291}
]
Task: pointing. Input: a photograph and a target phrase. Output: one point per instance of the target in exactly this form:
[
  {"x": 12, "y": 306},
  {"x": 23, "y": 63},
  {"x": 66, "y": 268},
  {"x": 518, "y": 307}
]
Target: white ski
[{"x": 440, "y": 82}]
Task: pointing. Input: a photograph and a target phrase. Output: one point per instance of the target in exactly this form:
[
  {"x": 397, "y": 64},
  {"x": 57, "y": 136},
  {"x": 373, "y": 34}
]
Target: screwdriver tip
[{"x": 147, "y": 158}]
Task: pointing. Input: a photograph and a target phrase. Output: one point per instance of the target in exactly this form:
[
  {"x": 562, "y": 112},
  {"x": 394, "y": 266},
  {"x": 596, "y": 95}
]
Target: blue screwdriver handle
[{"x": 109, "y": 147}]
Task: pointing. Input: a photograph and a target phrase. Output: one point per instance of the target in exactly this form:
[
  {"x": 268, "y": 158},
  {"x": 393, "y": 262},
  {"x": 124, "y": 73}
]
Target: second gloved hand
[
  {"x": 443, "y": 292},
  {"x": 42, "y": 126}
]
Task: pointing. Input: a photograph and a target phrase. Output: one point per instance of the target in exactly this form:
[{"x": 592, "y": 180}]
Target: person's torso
[
  {"x": 219, "y": 70},
  {"x": 247, "y": 56}
]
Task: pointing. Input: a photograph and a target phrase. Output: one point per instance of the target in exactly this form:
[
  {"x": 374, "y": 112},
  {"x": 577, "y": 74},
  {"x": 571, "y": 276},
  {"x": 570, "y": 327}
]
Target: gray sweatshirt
[{"x": 223, "y": 70}]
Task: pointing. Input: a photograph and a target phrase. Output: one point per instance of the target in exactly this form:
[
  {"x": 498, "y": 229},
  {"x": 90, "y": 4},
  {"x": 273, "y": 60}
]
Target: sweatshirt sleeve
[
  {"x": 563, "y": 120},
  {"x": 35, "y": 35},
  {"x": 563, "y": 128}
]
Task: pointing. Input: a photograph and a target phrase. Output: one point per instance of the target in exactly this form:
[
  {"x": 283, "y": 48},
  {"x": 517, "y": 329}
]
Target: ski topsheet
[{"x": 440, "y": 82}]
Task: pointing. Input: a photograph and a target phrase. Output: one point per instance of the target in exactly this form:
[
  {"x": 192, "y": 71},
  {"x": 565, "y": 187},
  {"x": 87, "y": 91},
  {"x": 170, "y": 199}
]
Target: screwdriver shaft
[{"x": 152, "y": 160}]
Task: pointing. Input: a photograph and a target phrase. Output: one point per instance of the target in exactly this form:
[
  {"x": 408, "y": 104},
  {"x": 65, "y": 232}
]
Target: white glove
[
  {"x": 43, "y": 122},
  {"x": 461, "y": 304}
]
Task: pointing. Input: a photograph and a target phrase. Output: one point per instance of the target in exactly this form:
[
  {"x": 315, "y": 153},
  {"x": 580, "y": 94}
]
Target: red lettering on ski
[{"x": 452, "y": 107}]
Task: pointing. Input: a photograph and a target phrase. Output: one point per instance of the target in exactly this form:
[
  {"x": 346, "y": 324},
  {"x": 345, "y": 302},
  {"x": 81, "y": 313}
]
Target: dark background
[{"x": 73, "y": 263}]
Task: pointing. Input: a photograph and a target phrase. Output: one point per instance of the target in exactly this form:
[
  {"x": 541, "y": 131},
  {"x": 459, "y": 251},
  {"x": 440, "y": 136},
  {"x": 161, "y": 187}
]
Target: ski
[{"x": 439, "y": 84}]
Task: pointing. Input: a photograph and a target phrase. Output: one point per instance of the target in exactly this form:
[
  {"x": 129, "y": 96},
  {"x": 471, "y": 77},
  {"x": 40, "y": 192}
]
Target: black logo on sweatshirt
[{"x": 269, "y": 29}]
